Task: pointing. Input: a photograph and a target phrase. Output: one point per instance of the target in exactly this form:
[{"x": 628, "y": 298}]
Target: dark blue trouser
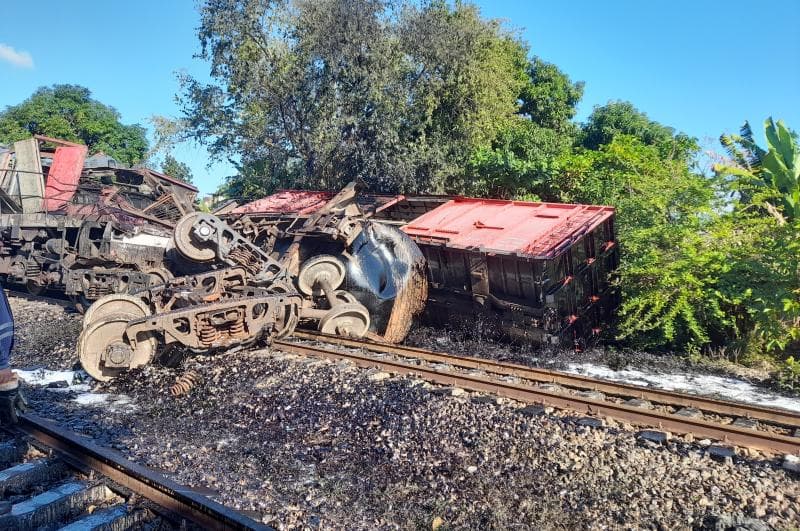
[{"x": 6, "y": 331}]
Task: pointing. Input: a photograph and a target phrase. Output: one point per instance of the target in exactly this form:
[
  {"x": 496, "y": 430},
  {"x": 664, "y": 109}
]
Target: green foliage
[
  {"x": 517, "y": 163},
  {"x": 668, "y": 259},
  {"x": 69, "y": 112},
  {"x": 768, "y": 177},
  {"x": 622, "y": 118},
  {"x": 766, "y": 221},
  {"x": 780, "y": 168},
  {"x": 176, "y": 169},
  {"x": 789, "y": 374},
  {"x": 550, "y": 98},
  {"x": 254, "y": 180},
  {"x": 522, "y": 158},
  {"x": 396, "y": 93}
]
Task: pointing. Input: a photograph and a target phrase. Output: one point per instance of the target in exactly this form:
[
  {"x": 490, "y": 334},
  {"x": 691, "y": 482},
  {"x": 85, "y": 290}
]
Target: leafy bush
[
  {"x": 699, "y": 267},
  {"x": 788, "y": 377}
]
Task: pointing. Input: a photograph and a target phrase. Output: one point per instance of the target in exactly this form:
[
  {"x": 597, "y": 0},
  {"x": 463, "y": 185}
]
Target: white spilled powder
[
  {"x": 700, "y": 384},
  {"x": 45, "y": 376},
  {"x": 92, "y": 399},
  {"x": 84, "y": 396}
]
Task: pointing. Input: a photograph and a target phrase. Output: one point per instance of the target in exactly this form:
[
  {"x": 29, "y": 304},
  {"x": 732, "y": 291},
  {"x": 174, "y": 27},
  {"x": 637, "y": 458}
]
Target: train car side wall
[{"x": 567, "y": 298}]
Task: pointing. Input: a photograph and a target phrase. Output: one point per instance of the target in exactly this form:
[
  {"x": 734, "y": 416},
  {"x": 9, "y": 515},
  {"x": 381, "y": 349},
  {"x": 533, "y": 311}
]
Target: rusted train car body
[
  {"x": 540, "y": 272},
  {"x": 88, "y": 227}
]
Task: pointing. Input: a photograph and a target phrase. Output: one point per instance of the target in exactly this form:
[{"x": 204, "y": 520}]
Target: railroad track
[
  {"x": 51, "y": 478},
  {"x": 731, "y": 423}
]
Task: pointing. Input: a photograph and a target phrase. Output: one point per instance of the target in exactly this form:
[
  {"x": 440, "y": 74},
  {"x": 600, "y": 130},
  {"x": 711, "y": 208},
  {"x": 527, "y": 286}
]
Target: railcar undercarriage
[{"x": 336, "y": 271}]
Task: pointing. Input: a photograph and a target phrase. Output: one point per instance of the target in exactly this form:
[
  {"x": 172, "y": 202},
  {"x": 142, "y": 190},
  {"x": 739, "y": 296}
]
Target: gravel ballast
[{"x": 303, "y": 443}]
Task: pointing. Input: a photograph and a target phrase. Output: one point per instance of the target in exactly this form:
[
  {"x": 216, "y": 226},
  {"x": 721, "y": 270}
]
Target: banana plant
[
  {"x": 770, "y": 177},
  {"x": 780, "y": 167}
]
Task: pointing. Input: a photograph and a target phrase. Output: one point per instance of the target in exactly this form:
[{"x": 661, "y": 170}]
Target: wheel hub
[
  {"x": 348, "y": 319},
  {"x": 320, "y": 273},
  {"x": 118, "y": 355}
]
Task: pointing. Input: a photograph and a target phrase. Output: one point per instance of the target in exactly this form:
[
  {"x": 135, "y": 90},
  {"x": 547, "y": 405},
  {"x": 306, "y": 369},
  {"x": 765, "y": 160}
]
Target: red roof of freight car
[
  {"x": 304, "y": 202},
  {"x": 300, "y": 202},
  {"x": 536, "y": 230}
]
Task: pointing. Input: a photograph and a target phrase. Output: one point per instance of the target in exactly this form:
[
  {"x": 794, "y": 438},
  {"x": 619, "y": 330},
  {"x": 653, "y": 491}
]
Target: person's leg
[{"x": 11, "y": 400}]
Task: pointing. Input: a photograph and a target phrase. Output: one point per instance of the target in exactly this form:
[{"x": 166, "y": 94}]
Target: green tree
[
  {"x": 766, "y": 224},
  {"x": 69, "y": 112},
  {"x": 668, "y": 257},
  {"x": 521, "y": 160},
  {"x": 622, "y": 118},
  {"x": 697, "y": 268},
  {"x": 320, "y": 93},
  {"x": 550, "y": 98},
  {"x": 176, "y": 169}
]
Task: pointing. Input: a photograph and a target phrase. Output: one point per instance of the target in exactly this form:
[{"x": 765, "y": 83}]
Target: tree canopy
[
  {"x": 399, "y": 94},
  {"x": 174, "y": 168},
  {"x": 69, "y": 112},
  {"x": 622, "y": 118}
]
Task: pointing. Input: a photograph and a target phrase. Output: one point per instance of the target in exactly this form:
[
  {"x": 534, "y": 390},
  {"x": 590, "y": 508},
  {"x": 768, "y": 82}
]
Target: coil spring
[
  {"x": 95, "y": 292},
  {"x": 32, "y": 268},
  {"x": 185, "y": 383},
  {"x": 208, "y": 334},
  {"x": 237, "y": 328},
  {"x": 245, "y": 258}
]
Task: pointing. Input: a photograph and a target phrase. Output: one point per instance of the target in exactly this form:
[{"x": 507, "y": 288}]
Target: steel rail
[
  {"x": 727, "y": 433},
  {"x": 660, "y": 396},
  {"x": 165, "y": 493}
]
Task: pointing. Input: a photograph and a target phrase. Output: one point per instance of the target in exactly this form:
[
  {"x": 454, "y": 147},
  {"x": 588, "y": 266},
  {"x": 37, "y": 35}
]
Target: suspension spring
[
  {"x": 245, "y": 258},
  {"x": 32, "y": 268},
  {"x": 237, "y": 328},
  {"x": 184, "y": 383},
  {"x": 208, "y": 334},
  {"x": 95, "y": 292}
]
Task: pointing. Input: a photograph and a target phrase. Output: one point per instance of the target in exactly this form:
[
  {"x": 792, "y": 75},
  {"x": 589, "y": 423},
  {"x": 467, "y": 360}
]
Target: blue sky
[{"x": 701, "y": 67}]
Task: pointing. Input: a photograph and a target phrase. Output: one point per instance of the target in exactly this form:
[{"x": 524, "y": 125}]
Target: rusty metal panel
[
  {"x": 536, "y": 230},
  {"x": 63, "y": 177},
  {"x": 298, "y": 202},
  {"x": 28, "y": 181}
]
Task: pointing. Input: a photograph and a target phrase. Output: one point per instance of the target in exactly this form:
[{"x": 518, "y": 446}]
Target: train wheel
[
  {"x": 116, "y": 303},
  {"x": 104, "y": 352},
  {"x": 286, "y": 324},
  {"x": 345, "y": 296},
  {"x": 317, "y": 270},
  {"x": 158, "y": 275},
  {"x": 187, "y": 245},
  {"x": 345, "y": 320}
]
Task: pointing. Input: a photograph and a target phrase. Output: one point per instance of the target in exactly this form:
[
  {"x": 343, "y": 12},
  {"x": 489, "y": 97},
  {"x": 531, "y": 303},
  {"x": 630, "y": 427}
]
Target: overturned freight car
[
  {"x": 540, "y": 272},
  {"x": 334, "y": 270},
  {"x": 84, "y": 226}
]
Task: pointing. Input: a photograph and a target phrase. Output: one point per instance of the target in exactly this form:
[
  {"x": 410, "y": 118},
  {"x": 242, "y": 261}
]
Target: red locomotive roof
[{"x": 536, "y": 230}]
